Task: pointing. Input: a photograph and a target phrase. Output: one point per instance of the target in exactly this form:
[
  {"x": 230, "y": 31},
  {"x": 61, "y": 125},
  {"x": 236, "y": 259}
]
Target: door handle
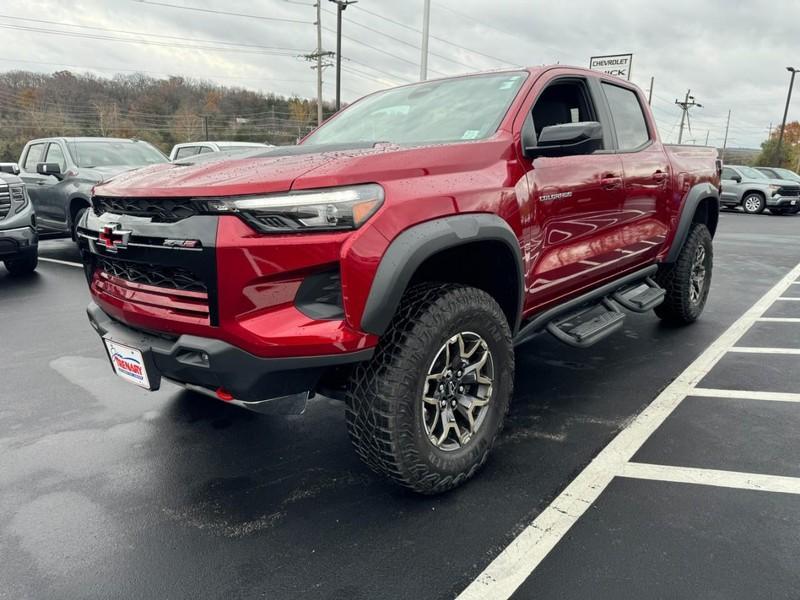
[
  {"x": 611, "y": 182},
  {"x": 659, "y": 175}
]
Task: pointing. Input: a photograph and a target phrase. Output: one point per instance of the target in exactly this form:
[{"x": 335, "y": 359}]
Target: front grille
[
  {"x": 164, "y": 277},
  {"x": 160, "y": 210},
  {"x": 789, "y": 191},
  {"x": 5, "y": 201}
]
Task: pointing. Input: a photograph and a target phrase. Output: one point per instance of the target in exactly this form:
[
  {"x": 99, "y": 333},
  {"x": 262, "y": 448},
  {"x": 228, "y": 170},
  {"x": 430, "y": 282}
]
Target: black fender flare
[
  {"x": 413, "y": 246},
  {"x": 697, "y": 194}
]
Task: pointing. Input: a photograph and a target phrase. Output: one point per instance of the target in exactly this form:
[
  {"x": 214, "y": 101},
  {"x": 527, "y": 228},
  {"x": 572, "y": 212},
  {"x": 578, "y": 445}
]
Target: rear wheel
[
  {"x": 754, "y": 203},
  {"x": 76, "y": 218},
  {"x": 426, "y": 409},
  {"x": 688, "y": 280},
  {"x": 23, "y": 265}
]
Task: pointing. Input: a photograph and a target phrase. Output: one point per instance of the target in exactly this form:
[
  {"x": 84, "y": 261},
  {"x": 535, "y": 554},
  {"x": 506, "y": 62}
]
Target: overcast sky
[{"x": 731, "y": 54}]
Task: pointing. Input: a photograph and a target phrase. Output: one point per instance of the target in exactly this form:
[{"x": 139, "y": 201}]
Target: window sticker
[{"x": 471, "y": 134}]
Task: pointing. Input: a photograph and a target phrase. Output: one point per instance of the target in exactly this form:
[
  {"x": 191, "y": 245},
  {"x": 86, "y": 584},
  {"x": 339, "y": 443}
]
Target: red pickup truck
[{"x": 396, "y": 257}]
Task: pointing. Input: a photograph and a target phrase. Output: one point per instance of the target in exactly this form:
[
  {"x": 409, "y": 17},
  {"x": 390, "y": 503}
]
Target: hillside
[{"x": 161, "y": 111}]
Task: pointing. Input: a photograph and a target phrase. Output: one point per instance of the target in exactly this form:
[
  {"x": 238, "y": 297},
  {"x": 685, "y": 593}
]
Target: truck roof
[{"x": 84, "y": 139}]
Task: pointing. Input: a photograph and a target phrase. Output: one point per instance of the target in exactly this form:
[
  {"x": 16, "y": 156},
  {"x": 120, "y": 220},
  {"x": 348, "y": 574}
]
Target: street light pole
[
  {"x": 341, "y": 5},
  {"x": 426, "y": 21},
  {"x": 793, "y": 71}
]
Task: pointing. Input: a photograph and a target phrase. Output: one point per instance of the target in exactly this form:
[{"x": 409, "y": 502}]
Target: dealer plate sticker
[{"x": 128, "y": 363}]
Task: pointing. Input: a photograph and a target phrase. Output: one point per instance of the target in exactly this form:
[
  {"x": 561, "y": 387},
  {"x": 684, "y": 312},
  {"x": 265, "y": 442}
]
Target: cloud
[{"x": 731, "y": 55}]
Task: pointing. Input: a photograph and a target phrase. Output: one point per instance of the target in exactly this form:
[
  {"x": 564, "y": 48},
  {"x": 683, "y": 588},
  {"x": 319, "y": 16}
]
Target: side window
[
  {"x": 187, "y": 151},
  {"x": 562, "y": 102},
  {"x": 56, "y": 155},
  {"x": 728, "y": 173},
  {"x": 204, "y": 150},
  {"x": 34, "y": 156},
  {"x": 629, "y": 120}
]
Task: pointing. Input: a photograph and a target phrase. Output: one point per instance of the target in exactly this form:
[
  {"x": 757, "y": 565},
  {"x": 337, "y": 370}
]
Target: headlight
[
  {"x": 774, "y": 189},
  {"x": 329, "y": 209},
  {"x": 19, "y": 197}
]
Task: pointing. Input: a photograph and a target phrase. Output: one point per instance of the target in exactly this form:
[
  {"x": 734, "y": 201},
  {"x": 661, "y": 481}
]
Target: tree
[{"x": 790, "y": 148}]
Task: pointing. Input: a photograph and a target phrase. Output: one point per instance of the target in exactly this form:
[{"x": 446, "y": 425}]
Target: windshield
[
  {"x": 752, "y": 173},
  {"x": 787, "y": 174},
  {"x": 114, "y": 154},
  {"x": 466, "y": 108}
]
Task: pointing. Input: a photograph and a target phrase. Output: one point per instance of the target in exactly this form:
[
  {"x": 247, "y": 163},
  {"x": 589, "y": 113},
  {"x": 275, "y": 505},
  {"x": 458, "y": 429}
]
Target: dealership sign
[{"x": 614, "y": 64}]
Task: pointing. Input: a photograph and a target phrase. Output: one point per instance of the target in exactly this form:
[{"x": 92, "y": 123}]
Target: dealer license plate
[{"x": 128, "y": 363}]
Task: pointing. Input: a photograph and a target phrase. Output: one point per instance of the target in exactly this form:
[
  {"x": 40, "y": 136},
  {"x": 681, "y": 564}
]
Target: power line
[{"x": 222, "y": 12}]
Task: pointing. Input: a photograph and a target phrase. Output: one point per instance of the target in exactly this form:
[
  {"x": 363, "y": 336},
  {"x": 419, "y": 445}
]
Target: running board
[
  {"x": 645, "y": 300},
  {"x": 587, "y": 333},
  {"x": 602, "y": 324}
]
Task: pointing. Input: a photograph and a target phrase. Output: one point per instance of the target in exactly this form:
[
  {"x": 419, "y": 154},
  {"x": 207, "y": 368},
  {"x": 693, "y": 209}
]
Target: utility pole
[
  {"x": 725, "y": 142},
  {"x": 341, "y": 5},
  {"x": 687, "y": 103},
  {"x": 650, "y": 91},
  {"x": 317, "y": 57},
  {"x": 708, "y": 131},
  {"x": 205, "y": 127},
  {"x": 793, "y": 71},
  {"x": 426, "y": 21}
]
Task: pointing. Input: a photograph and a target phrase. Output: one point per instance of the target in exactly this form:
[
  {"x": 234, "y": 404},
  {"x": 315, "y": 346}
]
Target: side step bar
[{"x": 558, "y": 320}]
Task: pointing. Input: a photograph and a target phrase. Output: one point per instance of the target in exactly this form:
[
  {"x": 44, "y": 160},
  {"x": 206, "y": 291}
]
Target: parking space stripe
[
  {"x": 745, "y": 395},
  {"x": 779, "y": 320},
  {"x": 61, "y": 262},
  {"x": 748, "y": 350},
  {"x": 729, "y": 479},
  {"x": 518, "y": 560},
  {"x": 788, "y": 299}
]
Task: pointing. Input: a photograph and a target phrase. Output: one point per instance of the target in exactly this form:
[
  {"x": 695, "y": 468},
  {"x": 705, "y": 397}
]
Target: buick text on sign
[{"x": 614, "y": 64}]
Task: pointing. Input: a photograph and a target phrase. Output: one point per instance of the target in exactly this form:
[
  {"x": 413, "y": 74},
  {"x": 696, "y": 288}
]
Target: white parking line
[
  {"x": 779, "y": 320},
  {"x": 518, "y": 560},
  {"x": 788, "y": 299},
  {"x": 745, "y": 395},
  {"x": 748, "y": 350},
  {"x": 729, "y": 479},
  {"x": 61, "y": 262}
]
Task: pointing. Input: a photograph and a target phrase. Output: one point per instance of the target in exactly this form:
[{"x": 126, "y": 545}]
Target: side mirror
[
  {"x": 53, "y": 169},
  {"x": 9, "y": 167},
  {"x": 567, "y": 140},
  {"x": 737, "y": 179}
]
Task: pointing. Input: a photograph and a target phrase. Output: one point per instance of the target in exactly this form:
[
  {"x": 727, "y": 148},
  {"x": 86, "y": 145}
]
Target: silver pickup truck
[
  {"x": 18, "y": 239},
  {"x": 754, "y": 191},
  {"x": 60, "y": 173}
]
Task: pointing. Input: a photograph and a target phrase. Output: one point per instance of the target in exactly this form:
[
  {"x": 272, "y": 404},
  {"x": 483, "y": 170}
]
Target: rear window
[{"x": 628, "y": 116}]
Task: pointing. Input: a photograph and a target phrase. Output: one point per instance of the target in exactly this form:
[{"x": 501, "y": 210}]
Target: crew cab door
[
  {"x": 731, "y": 186},
  {"x": 575, "y": 200},
  {"x": 37, "y": 184},
  {"x": 645, "y": 215},
  {"x": 52, "y": 192}
]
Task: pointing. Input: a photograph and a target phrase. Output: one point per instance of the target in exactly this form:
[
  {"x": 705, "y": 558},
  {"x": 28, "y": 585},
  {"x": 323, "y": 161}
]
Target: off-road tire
[
  {"x": 678, "y": 307},
  {"x": 22, "y": 266},
  {"x": 757, "y": 201},
  {"x": 384, "y": 396}
]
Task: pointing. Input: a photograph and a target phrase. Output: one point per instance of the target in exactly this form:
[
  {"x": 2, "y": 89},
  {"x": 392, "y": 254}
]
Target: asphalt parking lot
[{"x": 110, "y": 491}]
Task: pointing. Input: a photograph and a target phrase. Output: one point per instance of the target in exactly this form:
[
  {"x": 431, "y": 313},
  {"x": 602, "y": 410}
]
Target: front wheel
[
  {"x": 688, "y": 280},
  {"x": 426, "y": 409},
  {"x": 754, "y": 204},
  {"x": 22, "y": 266}
]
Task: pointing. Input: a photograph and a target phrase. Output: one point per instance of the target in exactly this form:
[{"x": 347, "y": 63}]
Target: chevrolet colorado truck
[
  {"x": 60, "y": 173},
  {"x": 19, "y": 242},
  {"x": 399, "y": 253}
]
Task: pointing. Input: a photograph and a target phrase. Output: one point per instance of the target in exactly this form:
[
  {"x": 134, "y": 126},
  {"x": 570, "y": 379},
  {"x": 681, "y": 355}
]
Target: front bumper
[
  {"x": 783, "y": 202},
  {"x": 17, "y": 242},
  {"x": 268, "y": 385}
]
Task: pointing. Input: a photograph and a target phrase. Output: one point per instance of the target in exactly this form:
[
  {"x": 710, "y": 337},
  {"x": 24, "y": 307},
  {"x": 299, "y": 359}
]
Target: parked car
[
  {"x": 188, "y": 149},
  {"x": 396, "y": 257},
  {"x": 19, "y": 241},
  {"x": 779, "y": 173},
  {"x": 754, "y": 191},
  {"x": 60, "y": 173}
]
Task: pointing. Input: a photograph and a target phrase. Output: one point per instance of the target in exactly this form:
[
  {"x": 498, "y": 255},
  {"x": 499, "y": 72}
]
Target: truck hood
[
  {"x": 786, "y": 183},
  {"x": 99, "y": 174},
  {"x": 295, "y": 167}
]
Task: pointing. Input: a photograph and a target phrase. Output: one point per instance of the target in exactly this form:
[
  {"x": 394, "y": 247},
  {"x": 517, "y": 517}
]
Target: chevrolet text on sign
[{"x": 615, "y": 64}]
